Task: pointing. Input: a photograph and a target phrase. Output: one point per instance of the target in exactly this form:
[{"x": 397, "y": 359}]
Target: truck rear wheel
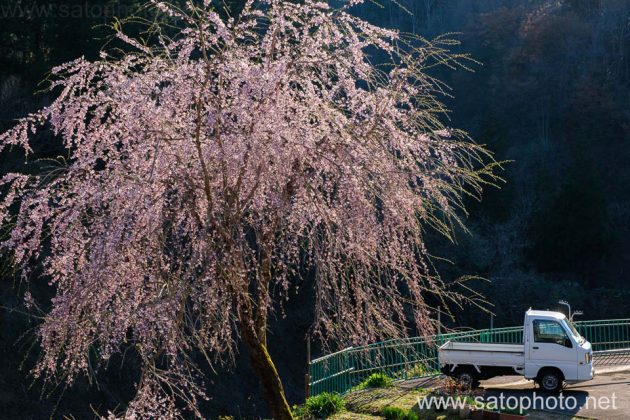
[
  {"x": 467, "y": 377},
  {"x": 550, "y": 380}
]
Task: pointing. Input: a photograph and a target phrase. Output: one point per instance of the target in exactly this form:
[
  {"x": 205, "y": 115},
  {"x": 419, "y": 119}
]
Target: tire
[
  {"x": 550, "y": 380},
  {"x": 467, "y": 377}
]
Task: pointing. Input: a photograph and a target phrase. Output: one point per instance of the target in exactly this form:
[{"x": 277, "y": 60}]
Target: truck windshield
[{"x": 574, "y": 331}]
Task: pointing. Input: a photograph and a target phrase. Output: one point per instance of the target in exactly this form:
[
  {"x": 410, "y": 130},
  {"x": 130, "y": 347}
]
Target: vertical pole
[
  {"x": 491, "y": 321},
  {"x": 307, "y": 377},
  {"x": 438, "y": 338}
]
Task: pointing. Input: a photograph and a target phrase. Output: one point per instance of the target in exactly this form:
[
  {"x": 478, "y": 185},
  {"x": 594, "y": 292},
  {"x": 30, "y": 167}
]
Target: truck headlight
[{"x": 588, "y": 357}]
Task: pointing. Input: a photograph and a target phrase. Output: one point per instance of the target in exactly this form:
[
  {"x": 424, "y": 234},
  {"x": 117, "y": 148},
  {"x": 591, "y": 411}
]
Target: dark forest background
[{"x": 551, "y": 95}]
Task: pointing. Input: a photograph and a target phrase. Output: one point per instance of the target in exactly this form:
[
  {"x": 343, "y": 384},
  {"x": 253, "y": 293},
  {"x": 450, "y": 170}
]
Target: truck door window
[{"x": 550, "y": 332}]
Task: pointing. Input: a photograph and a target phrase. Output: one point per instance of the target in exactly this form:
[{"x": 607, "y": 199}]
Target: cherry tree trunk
[{"x": 266, "y": 372}]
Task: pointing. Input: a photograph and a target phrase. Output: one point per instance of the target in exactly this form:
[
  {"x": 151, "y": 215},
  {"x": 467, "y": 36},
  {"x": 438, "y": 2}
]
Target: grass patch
[
  {"x": 320, "y": 406},
  {"x": 376, "y": 380},
  {"x": 349, "y": 415},
  {"x": 374, "y": 400},
  {"x": 397, "y": 413},
  {"x": 418, "y": 370}
]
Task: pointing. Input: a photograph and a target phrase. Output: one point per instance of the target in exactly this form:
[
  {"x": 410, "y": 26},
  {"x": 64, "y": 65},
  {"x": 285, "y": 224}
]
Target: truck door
[{"x": 550, "y": 345}]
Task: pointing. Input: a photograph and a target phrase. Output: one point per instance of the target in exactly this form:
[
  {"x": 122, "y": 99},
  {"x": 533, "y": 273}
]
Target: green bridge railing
[{"x": 417, "y": 357}]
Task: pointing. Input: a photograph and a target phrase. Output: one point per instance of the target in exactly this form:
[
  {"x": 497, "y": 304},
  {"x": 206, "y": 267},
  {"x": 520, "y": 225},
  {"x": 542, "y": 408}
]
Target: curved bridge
[{"x": 417, "y": 357}]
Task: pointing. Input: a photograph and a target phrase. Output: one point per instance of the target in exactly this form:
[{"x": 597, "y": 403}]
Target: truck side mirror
[{"x": 568, "y": 343}]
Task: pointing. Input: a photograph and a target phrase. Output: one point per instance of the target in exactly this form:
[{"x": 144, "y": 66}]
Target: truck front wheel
[{"x": 550, "y": 380}]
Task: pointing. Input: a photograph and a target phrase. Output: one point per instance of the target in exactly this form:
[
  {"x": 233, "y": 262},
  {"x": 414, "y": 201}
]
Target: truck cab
[
  {"x": 551, "y": 342},
  {"x": 552, "y": 353}
]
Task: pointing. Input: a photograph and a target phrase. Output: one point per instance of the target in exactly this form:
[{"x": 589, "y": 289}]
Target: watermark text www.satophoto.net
[
  {"x": 52, "y": 10},
  {"x": 521, "y": 403}
]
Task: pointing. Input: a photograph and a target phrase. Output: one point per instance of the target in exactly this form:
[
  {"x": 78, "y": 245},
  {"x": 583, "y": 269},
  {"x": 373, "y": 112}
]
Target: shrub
[
  {"x": 323, "y": 405},
  {"x": 397, "y": 413},
  {"x": 376, "y": 380},
  {"x": 299, "y": 411},
  {"x": 449, "y": 386}
]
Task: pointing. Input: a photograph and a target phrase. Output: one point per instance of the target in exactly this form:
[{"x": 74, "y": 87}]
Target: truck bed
[
  {"x": 482, "y": 354},
  {"x": 498, "y": 347}
]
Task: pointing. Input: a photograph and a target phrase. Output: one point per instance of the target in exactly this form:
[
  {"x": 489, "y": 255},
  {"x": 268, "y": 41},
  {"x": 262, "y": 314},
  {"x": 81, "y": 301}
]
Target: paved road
[{"x": 608, "y": 382}]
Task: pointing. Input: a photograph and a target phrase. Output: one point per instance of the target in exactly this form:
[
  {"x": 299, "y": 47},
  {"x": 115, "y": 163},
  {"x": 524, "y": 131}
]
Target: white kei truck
[{"x": 552, "y": 353}]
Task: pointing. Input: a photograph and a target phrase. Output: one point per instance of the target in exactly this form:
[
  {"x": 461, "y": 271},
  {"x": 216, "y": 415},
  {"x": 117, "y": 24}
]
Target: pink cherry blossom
[{"x": 207, "y": 173}]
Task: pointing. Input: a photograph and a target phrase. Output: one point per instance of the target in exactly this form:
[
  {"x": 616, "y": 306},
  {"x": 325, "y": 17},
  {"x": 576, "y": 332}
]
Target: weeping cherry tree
[{"x": 205, "y": 173}]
